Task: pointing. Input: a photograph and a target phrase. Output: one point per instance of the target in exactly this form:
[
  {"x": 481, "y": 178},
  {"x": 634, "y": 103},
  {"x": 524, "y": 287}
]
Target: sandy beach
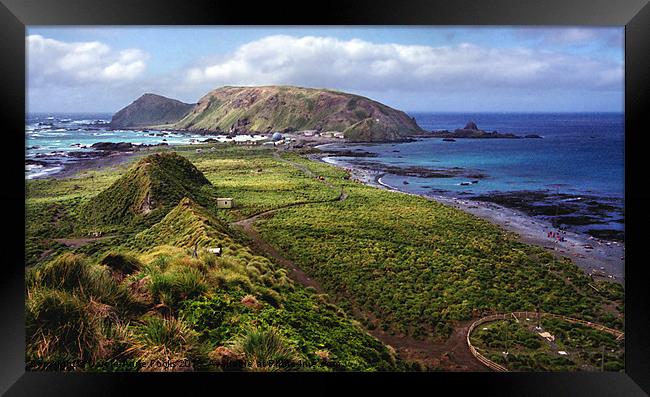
[{"x": 602, "y": 259}]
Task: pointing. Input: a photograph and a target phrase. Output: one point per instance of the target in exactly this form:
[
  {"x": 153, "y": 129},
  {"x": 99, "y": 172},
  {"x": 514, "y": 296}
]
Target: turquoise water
[{"x": 579, "y": 153}]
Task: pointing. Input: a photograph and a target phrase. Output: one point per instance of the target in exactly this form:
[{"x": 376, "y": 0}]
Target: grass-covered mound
[
  {"x": 371, "y": 130},
  {"x": 185, "y": 225},
  {"x": 148, "y": 190}
]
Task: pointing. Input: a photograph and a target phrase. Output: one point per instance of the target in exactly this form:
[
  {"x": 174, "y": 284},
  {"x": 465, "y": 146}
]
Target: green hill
[
  {"x": 244, "y": 110},
  {"x": 148, "y": 190}
]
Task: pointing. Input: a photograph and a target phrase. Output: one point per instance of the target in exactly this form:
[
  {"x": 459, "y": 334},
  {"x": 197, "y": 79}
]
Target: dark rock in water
[
  {"x": 465, "y": 183},
  {"x": 347, "y": 153},
  {"x": 576, "y": 220},
  {"x": 405, "y": 182},
  {"x": 607, "y": 234},
  {"x": 89, "y": 155},
  {"x": 35, "y": 162},
  {"x": 584, "y": 214},
  {"x": 112, "y": 146},
  {"x": 474, "y": 181},
  {"x": 471, "y": 130},
  {"x": 471, "y": 126},
  {"x": 421, "y": 172}
]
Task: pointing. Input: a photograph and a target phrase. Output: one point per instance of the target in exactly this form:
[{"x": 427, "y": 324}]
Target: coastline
[
  {"x": 604, "y": 260},
  {"x": 71, "y": 169}
]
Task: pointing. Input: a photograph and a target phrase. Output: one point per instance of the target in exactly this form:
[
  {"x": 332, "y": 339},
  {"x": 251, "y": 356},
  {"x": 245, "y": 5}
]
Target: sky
[{"x": 431, "y": 69}]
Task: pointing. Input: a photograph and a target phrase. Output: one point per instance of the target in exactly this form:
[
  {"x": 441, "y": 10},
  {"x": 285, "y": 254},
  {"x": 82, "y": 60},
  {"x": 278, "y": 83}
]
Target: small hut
[{"x": 226, "y": 202}]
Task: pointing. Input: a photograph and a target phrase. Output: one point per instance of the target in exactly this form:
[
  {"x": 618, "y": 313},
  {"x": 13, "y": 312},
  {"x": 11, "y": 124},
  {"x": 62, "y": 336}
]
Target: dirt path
[
  {"x": 261, "y": 246},
  {"x": 450, "y": 354}
]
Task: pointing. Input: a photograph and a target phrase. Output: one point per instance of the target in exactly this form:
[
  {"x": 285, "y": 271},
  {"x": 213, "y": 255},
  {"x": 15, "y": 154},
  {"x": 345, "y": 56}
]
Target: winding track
[{"x": 451, "y": 353}]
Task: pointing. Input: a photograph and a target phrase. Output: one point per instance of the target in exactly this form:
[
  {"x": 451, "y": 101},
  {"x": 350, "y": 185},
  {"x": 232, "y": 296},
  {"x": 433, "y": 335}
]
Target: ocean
[{"x": 572, "y": 177}]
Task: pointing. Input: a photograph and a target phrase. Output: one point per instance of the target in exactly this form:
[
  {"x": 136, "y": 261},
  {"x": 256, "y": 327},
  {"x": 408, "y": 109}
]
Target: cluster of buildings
[{"x": 326, "y": 134}]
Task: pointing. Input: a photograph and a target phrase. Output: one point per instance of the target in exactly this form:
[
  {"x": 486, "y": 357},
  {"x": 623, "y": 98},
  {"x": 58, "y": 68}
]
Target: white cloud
[
  {"x": 57, "y": 63},
  {"x": 361, "y": 65}
]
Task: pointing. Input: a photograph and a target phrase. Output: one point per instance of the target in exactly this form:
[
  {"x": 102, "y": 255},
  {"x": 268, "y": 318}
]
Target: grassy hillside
[
  {"x": 278, "y": 108},
  {"x": 144, "y": 303}
]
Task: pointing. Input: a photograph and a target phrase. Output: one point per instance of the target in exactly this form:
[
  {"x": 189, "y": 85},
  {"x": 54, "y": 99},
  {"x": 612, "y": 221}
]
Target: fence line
[{"x": 500, "y": 368}]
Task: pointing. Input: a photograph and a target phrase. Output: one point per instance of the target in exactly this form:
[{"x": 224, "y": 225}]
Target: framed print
[{"x": 376, "y": 193}]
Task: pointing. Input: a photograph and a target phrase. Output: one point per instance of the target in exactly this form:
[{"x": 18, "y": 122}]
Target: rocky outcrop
[
  {"x": 150, "y": 110},
  {"x": 120, "y": 146},
  {"x": 471, "y": 126},
  {"x": 113, "y": 146},
  {"x": 471, "y": 130}
]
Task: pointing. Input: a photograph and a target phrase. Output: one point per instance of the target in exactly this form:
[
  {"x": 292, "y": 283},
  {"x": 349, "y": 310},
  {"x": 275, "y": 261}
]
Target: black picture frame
[{"x": 15, "y": 15}]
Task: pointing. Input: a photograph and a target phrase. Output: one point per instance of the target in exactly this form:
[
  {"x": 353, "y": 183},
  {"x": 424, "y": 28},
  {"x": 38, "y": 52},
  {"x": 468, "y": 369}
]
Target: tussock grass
[
  {"x": 177, "y": 283},
  {"x": 76, "y": 274},
  {"x": 62, "y": 330},
  {"x": 266, "y": 350},
  {"x": 165, "y": 344},
  {"x": 124, "y": 263}
]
